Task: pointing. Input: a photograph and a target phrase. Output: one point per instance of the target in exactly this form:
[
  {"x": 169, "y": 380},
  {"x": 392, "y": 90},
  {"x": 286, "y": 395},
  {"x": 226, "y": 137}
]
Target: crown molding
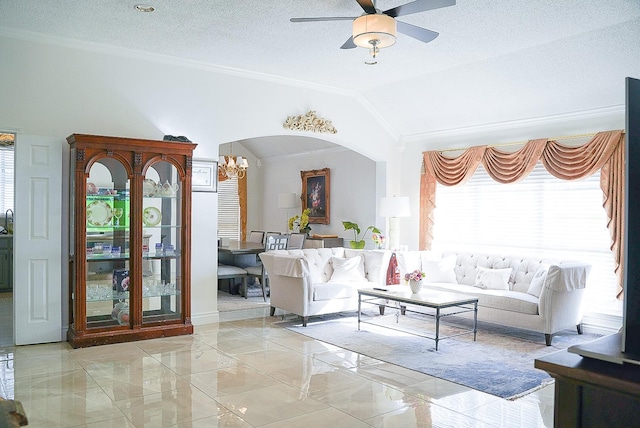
[
  {"x": 521, "y": 125},
  {"x": 67, "y": 42}
]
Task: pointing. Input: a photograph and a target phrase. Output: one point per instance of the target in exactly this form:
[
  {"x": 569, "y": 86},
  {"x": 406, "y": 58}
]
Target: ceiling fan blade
[
  {"x": 349, "y": 44},
  {"x": 418, "y": 33},
  {"x": 418, "y": 6},
  {"x": 327, "y": 18},
  {"x": 367, "y": 5}
]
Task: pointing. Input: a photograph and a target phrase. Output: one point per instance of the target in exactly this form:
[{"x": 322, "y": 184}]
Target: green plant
[
  {"x": 358, "y": 241},
  {"x": 302, "y": 221}
]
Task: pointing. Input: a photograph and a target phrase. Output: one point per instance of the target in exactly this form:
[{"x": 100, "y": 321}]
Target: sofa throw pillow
[
  {"x": 347, "y": 269},
  {"x": 492, "y": 279},
  {"x": 535, "y": 287},
  {"x": 439, "y": 270}
]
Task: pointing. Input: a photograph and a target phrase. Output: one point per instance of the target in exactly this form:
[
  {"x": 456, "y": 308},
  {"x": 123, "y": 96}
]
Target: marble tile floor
[{"x": 244, "y": 373}]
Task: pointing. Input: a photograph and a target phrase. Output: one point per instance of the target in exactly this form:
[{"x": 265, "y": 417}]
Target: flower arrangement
[
  {"x": 378, "y": 239},
  {"x": 301, "y": 222},
  {"x": 416, "y": 275}
]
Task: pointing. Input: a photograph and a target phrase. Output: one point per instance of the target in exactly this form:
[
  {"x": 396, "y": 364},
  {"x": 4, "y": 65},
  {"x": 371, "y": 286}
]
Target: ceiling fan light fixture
[{"x": 374, "y": 29}]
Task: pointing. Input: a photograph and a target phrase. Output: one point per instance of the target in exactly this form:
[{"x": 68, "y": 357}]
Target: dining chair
[
  {"x": 272, "y": 242},
  {"x": 230, "y": 273},
  {"x": 296, "y": 241},
  {"x": 256, "y": 236}
]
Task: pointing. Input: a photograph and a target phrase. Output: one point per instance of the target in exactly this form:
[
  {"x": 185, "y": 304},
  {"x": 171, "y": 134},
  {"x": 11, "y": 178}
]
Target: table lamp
[
  {"x": 287, "y": 201},
  {"x": 394, "y": 208}
]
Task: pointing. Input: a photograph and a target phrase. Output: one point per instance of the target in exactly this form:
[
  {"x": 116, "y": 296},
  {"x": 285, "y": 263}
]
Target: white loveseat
[
  {"x": 529, "y": 293},
  {"x": 318, "y": 281}
]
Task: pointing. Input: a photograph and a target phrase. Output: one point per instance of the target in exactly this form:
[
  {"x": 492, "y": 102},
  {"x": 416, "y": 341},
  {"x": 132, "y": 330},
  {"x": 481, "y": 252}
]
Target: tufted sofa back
[
  {"x": 523, "y": 269},
  {"x": 319, "y": 260}
]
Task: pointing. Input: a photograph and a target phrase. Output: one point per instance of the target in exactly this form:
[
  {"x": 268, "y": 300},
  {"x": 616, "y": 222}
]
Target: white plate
[
  {"x": 149, "y": 188},
  {"x": 151, "y": 216},
  {"x": 99, "y": 214}
]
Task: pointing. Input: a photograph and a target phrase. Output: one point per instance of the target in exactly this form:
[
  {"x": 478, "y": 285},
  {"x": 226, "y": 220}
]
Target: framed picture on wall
[
  {"x": 204, "y": 175},
  {"x": 315, "y": 194}
]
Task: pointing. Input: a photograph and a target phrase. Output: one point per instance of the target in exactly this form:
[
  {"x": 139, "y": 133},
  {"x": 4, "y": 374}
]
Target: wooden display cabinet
[{"x": 130, "y": 239}]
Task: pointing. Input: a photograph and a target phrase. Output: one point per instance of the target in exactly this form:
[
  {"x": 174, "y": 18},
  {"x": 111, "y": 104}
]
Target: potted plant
[{"x": 358, "y": 241}]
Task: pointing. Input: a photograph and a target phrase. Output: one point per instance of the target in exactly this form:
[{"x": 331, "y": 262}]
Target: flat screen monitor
[{"x": 631, "y": 268}]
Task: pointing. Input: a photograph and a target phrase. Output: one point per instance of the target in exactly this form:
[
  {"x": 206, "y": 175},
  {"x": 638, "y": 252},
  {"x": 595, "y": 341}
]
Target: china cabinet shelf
[
  {"x": 122, "y": 289},
  {"x": 125, "y": 296}
]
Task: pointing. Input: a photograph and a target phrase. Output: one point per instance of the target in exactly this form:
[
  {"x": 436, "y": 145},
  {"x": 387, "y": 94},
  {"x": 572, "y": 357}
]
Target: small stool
[{"x": 233, "y": 272}]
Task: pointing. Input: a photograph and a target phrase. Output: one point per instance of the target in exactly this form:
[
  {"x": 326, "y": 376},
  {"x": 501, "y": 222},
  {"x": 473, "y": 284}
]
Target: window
[
  {"x": 6, "y": 178},
  {"x": 539, "y": 216},
  {"x": 228, "y": 209}
]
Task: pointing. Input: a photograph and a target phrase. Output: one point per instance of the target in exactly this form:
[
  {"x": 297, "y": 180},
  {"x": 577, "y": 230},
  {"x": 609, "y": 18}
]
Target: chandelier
[{"x": 232, "y": 166}]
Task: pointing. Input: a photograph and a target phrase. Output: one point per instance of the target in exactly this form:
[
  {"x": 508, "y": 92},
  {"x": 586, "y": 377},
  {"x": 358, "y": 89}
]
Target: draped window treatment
[
  {"x": 242, "y": 197},
  {"x": 605, "y": 152}
]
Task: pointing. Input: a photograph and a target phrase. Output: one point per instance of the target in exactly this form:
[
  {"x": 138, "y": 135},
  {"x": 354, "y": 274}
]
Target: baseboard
[
  {"x": 601, "y": 323},
  {"x": 205, "y": 318}
]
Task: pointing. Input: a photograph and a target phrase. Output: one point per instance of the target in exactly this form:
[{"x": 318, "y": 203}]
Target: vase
[
  {"x": 415, "y": 286},
  {"x": 358, "y": 245}
]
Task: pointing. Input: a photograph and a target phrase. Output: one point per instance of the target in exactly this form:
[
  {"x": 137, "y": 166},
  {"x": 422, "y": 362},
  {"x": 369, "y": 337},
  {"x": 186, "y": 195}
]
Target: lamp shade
[
  {"x": 396, "y": 206},
  {"x": 376, "y": 27},
  {"x": 287, "y": 200}
]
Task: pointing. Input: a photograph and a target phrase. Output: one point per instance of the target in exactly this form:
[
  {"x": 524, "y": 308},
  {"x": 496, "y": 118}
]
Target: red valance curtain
[
  {"x": 605, "y": 151},
  {"x": 242, "y": 198}
]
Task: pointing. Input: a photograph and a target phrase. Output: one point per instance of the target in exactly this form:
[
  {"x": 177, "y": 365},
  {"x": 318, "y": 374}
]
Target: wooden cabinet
[
  {"x": 593, "y": 393},
  {"x": 130, "y": 239},
  {"x": 323, "y": 242}
]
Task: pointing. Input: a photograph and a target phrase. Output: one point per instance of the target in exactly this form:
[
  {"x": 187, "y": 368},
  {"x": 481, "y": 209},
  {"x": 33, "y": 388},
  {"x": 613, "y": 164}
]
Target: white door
[{"x": 37, "y": 297}]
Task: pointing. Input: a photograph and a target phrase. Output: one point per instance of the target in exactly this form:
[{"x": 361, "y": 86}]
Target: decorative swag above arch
[{"x": 605, "y": 152}]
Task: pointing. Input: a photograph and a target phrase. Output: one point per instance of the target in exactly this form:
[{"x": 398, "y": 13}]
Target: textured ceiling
[{"x": 490, "y": 55}]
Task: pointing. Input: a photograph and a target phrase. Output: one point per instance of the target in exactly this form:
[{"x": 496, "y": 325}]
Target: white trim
[
  {"x": 31, "y": 36},
  {"x": 205, "y": 318},
  {"x": 601, "y": 323},
  {"x": 520, "y": 125}
]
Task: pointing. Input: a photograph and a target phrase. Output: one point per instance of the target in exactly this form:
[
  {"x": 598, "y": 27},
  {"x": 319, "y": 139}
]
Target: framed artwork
[
  {"x": 204, "y": 175},
  {"x": 315, "y": 194}
]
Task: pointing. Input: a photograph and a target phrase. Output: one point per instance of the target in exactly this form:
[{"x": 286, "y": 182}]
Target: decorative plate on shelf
[
  {"x": 151, "y": 216},
  {"x": 149, "y": 188},
  {"x": 99, "y": 213}
]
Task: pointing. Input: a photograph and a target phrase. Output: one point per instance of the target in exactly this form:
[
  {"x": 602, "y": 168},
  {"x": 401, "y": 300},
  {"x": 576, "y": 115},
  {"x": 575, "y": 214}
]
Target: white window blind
[
  {"x": 540, "y": 216},
  {"x": 228, "y": 209},
  {"x": 6, "y": 179}
]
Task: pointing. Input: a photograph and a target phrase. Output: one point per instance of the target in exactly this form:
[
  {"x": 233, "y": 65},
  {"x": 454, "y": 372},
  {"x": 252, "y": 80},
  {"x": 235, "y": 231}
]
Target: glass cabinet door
[
  {"x": 107, "y": 238},
  {"x": 161, "y": 250}
]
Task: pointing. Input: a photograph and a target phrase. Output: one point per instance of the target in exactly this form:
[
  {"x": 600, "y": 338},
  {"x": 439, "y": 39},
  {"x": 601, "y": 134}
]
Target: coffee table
[{"x": 444, "y": 303}]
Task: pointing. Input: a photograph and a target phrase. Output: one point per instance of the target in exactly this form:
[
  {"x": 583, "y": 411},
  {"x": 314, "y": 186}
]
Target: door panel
[{"x": 37, "y": 240}]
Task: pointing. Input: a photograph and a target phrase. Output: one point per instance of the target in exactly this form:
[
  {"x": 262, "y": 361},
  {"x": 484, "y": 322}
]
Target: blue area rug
[{"x": 500, "y": 362}]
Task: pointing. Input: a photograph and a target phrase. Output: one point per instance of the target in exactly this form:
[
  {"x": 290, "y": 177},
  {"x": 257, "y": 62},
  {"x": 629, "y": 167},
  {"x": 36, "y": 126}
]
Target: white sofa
[
  {"x": 529, "y": 293},
  {"x": 318, "y": 281},
  {"x": 533, "y": 294}
]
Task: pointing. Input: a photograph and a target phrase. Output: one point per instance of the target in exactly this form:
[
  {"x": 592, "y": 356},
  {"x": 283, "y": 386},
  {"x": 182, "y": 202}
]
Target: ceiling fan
[{"x": 376, "y": 29}]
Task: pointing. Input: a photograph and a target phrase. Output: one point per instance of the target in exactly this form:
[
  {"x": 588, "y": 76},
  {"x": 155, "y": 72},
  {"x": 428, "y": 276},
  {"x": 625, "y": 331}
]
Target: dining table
[{"x": 240, "y": 253}]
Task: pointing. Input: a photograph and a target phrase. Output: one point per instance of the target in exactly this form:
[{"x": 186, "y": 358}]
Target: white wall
[{"x": 353, "y": 190}]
